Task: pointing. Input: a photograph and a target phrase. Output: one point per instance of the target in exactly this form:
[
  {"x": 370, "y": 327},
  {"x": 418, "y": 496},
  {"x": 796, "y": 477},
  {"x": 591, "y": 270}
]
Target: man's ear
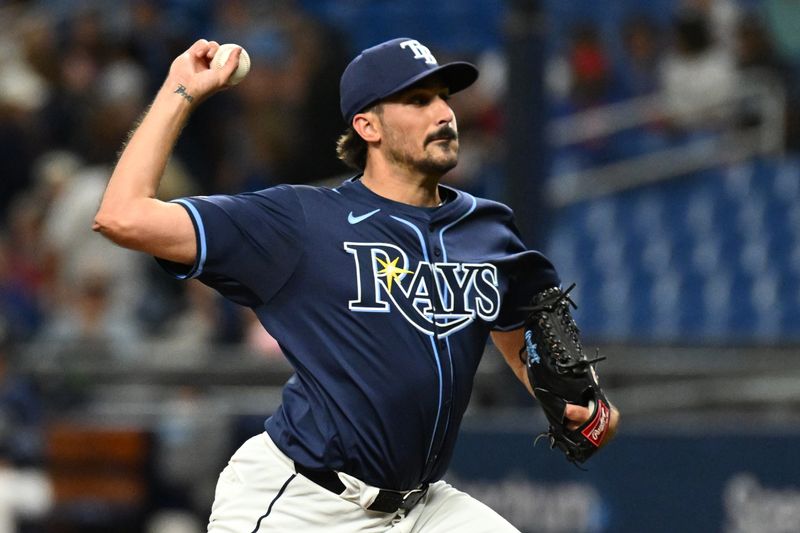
[{"x": 367, "y": 126}]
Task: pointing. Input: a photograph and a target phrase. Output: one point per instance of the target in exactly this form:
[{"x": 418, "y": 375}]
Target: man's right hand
[{"x": 192, "y": 76}]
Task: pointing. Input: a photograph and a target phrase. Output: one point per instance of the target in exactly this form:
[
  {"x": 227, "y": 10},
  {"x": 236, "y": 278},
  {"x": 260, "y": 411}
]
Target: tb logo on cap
[{"x": 420, "y": 51}]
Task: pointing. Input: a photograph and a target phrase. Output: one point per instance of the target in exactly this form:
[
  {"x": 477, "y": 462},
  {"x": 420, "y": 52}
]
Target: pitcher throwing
[{"x": 382, "y": 293}]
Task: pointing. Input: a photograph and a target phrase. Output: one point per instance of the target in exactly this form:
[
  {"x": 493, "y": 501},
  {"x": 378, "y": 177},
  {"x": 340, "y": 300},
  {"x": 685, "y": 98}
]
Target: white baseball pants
[{"x": 259, "y": 491}]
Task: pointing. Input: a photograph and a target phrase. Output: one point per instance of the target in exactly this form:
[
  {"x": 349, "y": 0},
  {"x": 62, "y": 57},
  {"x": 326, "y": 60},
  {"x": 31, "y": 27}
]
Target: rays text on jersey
[{"x": 436, "y": 298}]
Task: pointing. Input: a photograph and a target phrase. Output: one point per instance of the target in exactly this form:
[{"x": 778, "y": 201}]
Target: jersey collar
[{"x": 455, "y": 202}]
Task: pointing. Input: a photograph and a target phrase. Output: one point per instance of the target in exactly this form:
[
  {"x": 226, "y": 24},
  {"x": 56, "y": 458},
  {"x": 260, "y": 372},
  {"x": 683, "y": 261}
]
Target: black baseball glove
[{"x": 560, "y": 373}]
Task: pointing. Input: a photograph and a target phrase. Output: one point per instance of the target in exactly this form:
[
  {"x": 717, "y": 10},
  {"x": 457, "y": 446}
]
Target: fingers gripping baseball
[{"x": 193, "y": 75}]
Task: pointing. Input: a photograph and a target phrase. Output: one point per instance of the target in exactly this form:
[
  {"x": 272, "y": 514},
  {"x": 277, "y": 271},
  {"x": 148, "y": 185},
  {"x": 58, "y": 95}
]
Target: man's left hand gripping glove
[{"x": 560, "y": 373}]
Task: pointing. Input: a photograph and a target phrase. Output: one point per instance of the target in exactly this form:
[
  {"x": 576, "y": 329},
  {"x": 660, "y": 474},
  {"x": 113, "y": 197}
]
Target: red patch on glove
[{"x": 597, "y": 428}]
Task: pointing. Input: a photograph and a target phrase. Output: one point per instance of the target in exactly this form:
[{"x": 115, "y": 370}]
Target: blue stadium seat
[
  {"x": 712, "y": 257},
  {"x": 717, "y": 294}
]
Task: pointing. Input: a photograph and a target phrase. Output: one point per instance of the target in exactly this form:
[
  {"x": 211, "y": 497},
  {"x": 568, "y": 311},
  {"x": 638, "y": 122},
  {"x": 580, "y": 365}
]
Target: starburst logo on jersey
[{"x": 434, "y": 297}]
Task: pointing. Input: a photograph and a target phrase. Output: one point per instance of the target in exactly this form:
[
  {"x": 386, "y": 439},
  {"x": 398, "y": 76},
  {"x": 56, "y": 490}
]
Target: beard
[{"x": 435, "y": 159}]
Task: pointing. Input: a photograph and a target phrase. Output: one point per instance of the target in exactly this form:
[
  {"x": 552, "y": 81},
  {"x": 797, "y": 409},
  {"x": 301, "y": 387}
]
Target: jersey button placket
[{"x": 441, "y": 343}]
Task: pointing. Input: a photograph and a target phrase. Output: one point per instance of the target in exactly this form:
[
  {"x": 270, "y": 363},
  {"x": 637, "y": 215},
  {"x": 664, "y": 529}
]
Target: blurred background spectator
[
  {"x": 699, "y": 73},
  {"x": 644, "y": 44}
]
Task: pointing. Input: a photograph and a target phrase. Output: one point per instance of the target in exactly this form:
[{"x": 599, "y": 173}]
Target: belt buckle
[{"x": 412, "y": 497}]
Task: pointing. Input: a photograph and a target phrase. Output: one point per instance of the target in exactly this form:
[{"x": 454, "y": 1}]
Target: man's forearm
[
  {"x": 508, "y": 344},
  {"x": 138, "y": 172}
]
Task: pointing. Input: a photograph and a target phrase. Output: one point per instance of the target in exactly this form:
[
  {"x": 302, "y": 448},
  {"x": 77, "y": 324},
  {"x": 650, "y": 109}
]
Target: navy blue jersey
[{"x": 382, "y": 308}]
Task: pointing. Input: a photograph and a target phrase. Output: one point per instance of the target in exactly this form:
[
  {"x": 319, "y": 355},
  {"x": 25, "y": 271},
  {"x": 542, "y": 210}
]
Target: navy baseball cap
[{"x": 390, "y": 67}]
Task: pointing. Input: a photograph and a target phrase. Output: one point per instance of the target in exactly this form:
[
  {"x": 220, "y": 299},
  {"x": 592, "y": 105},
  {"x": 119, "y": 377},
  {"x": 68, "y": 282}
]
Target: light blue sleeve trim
[{"x": 200, "y": 262}]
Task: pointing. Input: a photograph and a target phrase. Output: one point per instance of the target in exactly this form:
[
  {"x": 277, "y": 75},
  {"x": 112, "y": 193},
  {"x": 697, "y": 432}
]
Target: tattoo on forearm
[{"x": 181, "y": 90}]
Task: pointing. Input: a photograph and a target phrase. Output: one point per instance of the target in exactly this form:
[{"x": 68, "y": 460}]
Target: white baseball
[{"x": 221, "y": 57}]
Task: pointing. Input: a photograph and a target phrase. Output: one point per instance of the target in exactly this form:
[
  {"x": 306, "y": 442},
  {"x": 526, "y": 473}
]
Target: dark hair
[{"x": 351, "y": 148}]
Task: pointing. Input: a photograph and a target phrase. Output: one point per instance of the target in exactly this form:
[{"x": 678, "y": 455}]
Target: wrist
[
  {"x": 181, "y": 90},
  {"x": 175, "y": 100},
  {"x": 177, "y": 94}
]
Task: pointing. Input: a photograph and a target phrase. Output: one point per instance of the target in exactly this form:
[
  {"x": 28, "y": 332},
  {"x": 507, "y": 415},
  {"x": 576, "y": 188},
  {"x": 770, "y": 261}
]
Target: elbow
[
  {"x": 106, "y": 223},
  {"x": 114, "y": 226},
  {"x": 99, "y": 224}
]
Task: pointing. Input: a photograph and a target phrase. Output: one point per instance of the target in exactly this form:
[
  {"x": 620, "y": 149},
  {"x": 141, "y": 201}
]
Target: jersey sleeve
[
  {"x": 528, "y": 272},
  {"x": 248, "y": 244}
]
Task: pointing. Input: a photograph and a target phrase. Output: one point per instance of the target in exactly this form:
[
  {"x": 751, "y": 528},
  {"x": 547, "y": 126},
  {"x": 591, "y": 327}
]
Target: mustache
[{"x": 446, "y": 133}]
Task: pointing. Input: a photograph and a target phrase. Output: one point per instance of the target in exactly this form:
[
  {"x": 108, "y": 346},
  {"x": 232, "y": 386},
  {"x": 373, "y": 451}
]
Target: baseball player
[{"x": 382, "y": 293}]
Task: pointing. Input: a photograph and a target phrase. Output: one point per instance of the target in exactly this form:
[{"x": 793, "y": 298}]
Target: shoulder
[
  {"x": 493, "y": 207},
  {"x": 283, "y": 197},
  {"x": 300, "y": 193},
  {"x": 274, "y": 205},
  {"x": 482, "y": 207},
  {"x": 274, "y": 192}
]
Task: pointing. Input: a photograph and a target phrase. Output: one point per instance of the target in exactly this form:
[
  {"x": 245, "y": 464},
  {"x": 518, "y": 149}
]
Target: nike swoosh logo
[{"x": 355, "y": 220}]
